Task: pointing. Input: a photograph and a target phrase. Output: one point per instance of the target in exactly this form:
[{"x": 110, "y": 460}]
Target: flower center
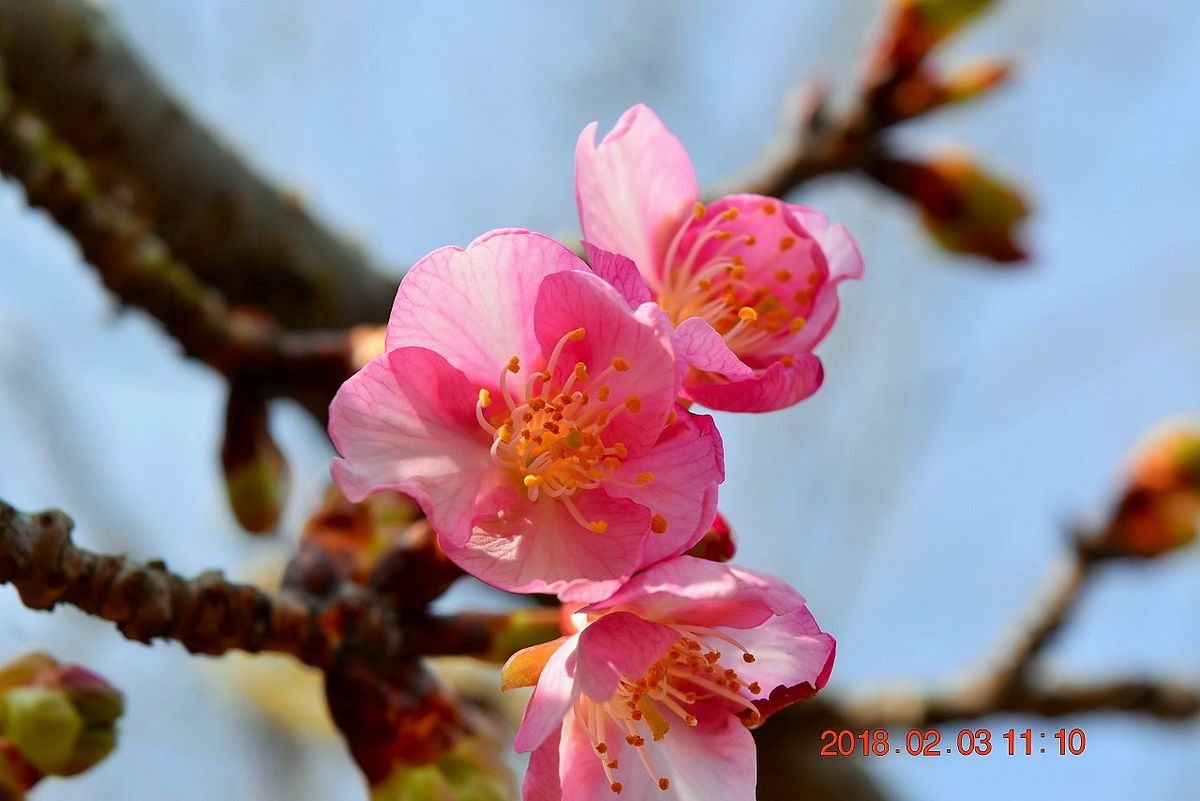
[
  {"x": 551, "y": 438},
  {"x": 688, "y": 673},
  {"x": 705, "y": 276}
]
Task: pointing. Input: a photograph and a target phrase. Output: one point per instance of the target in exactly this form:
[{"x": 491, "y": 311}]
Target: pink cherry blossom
[
  {"x": 657, "y": 685},
  {"x": 531, "y": 411},
  {"x": 750, "y": 282}
]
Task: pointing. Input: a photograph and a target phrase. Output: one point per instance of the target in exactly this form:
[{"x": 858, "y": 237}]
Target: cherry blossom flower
[
  {"x": 651, "y": 695},
  {"x": 750, "y": 282},
  {"x": 531, "y": 411}
]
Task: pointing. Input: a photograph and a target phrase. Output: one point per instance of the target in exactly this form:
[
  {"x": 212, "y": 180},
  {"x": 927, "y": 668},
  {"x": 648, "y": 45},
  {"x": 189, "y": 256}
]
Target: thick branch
[
  {"x": 237, "y": 231},
  {"x": 209, "y": 614},
  {"x": 140, "y": 269}
]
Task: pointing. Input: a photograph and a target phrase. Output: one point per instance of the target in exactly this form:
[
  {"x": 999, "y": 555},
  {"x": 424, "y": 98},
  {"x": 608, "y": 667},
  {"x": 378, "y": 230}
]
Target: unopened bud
[
  {"x": 966, "y": 209},
  {"x": 918, "y": 26},
  {"x": 1159, "y": 509},
  {"x": 255, "y": 472},
  {"x": 43, "y": 726},
  {"x": 718, "y": 544},
  {"x": 473, "y": 770},
  {"x": 58, "y": 718},
  {"x": 972, "y": 81}
]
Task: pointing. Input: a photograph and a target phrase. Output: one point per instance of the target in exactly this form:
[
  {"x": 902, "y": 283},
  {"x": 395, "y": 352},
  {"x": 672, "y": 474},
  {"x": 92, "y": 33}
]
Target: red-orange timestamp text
[{"x": 969, "y": 742}]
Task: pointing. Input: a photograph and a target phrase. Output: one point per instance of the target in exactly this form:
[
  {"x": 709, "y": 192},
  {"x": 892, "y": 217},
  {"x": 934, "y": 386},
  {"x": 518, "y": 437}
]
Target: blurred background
[{"x": 969, "y": 414}]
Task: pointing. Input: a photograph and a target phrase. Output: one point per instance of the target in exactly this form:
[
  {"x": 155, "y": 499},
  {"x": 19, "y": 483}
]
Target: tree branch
[
  {"x": 236, "y": 231},
  {"x": 211, "y": 615},
  {"x": 140, "y": 269}
]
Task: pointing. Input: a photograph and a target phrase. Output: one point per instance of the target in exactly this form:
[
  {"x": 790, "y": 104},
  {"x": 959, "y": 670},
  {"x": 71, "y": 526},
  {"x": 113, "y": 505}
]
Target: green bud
[{"x": 43, "y": 726}]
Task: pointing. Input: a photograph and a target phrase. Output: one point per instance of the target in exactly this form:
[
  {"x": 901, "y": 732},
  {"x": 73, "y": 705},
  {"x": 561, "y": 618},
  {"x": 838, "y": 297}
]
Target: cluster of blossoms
[{"x": 539, "y": 410}]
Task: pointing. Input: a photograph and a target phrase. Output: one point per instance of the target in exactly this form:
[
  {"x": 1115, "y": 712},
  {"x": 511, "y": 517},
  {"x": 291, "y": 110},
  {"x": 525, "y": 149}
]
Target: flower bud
[
  {"x": 58, "y": 718},
  {"x": 43, "y": 726},
  {"x": 918, "y": 26},
  {"x": 473, "y": 770},
  {"x": 969, "y": 82},
  {"x": 718, "y": 543},
  {"x": 1159, "y": 509},
  {"x": 256, "y": 475},
  {"x": 965, "y": 209}
]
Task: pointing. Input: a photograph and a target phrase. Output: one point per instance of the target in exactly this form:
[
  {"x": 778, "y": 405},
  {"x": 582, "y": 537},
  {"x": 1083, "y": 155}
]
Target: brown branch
[
  {"x": 1011, "y": 685},
  {"x": 898, "y": 87},
  {"x": 813, "y": 145},
  {"x": 1138, "y": 696},
  {"x": 139, "y": 267},
  {"x": 209, "y": 614},
  {"x": 236, "y": 231}
]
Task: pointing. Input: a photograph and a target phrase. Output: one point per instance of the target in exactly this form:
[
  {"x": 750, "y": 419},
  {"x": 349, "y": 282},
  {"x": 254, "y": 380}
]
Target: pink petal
[
  {"x": 541, "y": 548},
  {"x": 406, "y": 422},
  {"x": 553, "y": 696},
  {"x": 840, "y": 249},
  {"x": 581, "y": 776},
  {"x": 474, "y": 306},
  {"x": 775, "y": 387},
  {"x": 619, "y": 271},
  {"x": 793, "y": 252},
  {"x": 712, "y": 761},
  {"x": 690, "y": 591},
  {"x": 687, "y": 464},
  {"x": 574, "y": 299},
  {"x": 844, "y": 261},
  {"x": 792, "y": 658},
  {"x": 618, "y": 645},
  {"x": 634, "y": 189},
  {"x": 541, "y": 778},
  {"x": 778, "y": 254},
  {"x": 705, "y": 350}
]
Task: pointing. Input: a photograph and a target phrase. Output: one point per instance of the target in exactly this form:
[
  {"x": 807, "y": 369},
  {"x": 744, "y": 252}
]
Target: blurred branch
[
  {"x": 211, "y": 615},
  {"x": 239, "y": 233},
  {"x": 140, "y": 268}
]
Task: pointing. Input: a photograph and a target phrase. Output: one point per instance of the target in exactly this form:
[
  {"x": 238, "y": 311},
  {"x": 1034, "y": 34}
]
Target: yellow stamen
[
  {"x": 633, "y": 403},
  {"x": 729, "y": 214},
  {"x": 658, "y": 524},
  {"x": 787, "y": 243},
  {"x": 699, "y": 210},
  {"x": 485, "y": 398},
  {"x": 748, "y": 314},
  {"x": 783, "y": 275},
  {"x": 796, "y": 324},
  {"x": 577, "y": 334},
  {"x": 598, "y": 526},
  {"x": 645, "y": 478},
  {"x": 514, "y": 365},
  {"x": 620, "y": 365},
  {"x": 769, "y": 208}
]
